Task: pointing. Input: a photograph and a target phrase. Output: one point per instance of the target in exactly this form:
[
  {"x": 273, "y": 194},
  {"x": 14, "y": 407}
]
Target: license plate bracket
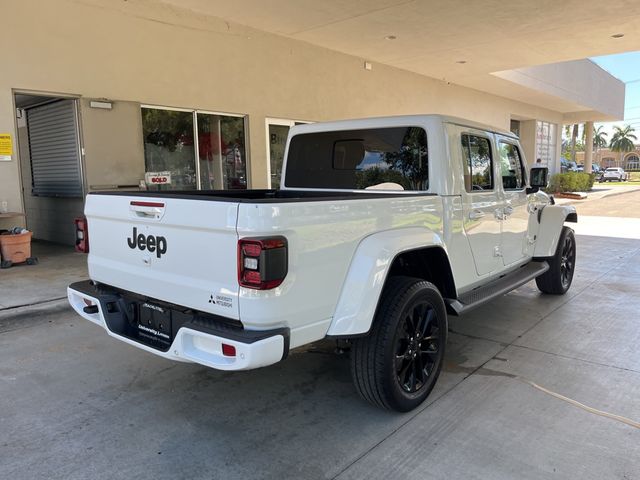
[{"x": 154, "y": 324}]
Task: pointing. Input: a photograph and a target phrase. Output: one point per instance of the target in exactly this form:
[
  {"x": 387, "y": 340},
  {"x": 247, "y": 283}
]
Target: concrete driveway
[
  {"x": 76, "y": 404},
  {"x": 25, "y": 284}
]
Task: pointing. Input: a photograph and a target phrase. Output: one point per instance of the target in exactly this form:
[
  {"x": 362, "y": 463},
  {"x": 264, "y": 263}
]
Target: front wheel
[
  {"x": 396, "y": 366},
  {"x": 558, "y": 278}
]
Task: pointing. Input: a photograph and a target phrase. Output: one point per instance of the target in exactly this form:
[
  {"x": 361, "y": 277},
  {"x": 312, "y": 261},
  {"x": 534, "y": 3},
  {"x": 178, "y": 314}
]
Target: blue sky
[{"x": 626, "y": 67}]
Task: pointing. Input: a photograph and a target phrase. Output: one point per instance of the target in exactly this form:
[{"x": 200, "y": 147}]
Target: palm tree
[
  {"x": 622, "y": 140},
  {"x": 574, "y": 137},
  {"x": 599, "y": 140}
]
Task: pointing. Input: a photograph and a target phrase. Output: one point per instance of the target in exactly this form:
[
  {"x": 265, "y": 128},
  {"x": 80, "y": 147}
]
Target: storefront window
[{"x": 170, "y": 149}]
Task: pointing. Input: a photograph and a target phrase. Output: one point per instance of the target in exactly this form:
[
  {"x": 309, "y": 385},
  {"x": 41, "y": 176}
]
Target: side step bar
[{"x": 470, "y": 300}]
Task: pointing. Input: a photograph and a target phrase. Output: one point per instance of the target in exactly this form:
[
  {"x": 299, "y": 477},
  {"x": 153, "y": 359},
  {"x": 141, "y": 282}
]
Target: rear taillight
[
  {"x": 82, "y": 235},
  {"x": 262, "y": 262}
]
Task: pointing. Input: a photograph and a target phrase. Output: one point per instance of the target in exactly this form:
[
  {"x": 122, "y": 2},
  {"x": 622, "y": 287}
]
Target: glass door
[
  {"x": 221, "y": 152},
  {"x": 277, "y": 131}
]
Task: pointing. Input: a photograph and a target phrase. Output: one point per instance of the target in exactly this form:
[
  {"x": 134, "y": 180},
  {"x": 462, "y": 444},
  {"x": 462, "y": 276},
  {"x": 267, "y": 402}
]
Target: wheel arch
[
  {"x": 427, "y": 263},
  {"x": 551, "y": 220},
  {"x": 414, "y": 252}
]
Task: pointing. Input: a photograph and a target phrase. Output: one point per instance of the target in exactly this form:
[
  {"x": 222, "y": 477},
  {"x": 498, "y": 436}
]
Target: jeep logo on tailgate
[{"x": 148, "y": 242}]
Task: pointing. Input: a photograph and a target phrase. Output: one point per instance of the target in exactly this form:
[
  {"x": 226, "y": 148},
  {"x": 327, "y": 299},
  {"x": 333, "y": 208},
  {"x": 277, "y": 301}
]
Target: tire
[
  {"x": 558, "y": 278},
  {"x": 396, "y": 366}
]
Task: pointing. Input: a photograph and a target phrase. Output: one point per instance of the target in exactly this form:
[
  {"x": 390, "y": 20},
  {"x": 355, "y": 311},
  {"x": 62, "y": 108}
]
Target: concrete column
[{"x": 588, "y": 148}]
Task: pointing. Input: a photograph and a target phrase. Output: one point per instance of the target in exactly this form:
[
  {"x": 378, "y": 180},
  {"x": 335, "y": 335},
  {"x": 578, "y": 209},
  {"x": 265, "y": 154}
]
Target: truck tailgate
[{"x": 180, "y": 250}]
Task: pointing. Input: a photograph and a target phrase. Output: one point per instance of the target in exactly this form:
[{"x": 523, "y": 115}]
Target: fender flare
[
  {"x": 552, "y": 218},
  {"x": 368, "y": 272}
]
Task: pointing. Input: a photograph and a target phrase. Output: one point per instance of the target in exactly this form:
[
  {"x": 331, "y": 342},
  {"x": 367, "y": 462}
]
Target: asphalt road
[
  {"x": 77, "y": 404},
  {"x": 620, "y": 205}
]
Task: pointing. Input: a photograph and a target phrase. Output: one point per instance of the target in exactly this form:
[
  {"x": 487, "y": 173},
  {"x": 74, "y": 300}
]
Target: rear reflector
[
  {"x": 262, "y": 262},
  {"x": 228, "y": 350}
]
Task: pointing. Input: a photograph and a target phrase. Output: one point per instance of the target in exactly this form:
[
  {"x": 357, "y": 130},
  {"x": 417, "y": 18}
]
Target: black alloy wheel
[
  {"x": 398, "y": 363},
  {"x": 417, "y": 347},
  {"x": 567, "y": 261},
  {"x": 562, "y": 265}
]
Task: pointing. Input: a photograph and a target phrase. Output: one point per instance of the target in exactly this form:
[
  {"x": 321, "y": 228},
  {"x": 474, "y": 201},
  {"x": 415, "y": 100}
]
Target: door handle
[
  {"x": 499, "y": 214},
  {"x": 508, "y": 210},
  {"x": 476, "y": 214},
  {"x": 149, "y": 210}
]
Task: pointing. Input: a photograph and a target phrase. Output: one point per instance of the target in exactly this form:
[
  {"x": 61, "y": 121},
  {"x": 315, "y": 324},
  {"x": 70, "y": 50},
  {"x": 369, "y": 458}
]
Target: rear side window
[
  {"x": 478, "y": 163},
  {"x": 511, "y": 168},
  {"x": 378, "y": 158}
]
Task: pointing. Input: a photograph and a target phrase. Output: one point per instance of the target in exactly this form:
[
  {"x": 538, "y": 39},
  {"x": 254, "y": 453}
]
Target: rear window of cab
[{"x": 393, "y": 158}]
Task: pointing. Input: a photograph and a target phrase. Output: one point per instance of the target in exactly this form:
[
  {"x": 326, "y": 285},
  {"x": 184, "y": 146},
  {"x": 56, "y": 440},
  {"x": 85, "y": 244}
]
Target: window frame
[
  {"x": 523, "y": 168},
  {"x": 194, "y": 114},
  {"x": 491, "y": 160},
  {"x": 628, "y": 161}
]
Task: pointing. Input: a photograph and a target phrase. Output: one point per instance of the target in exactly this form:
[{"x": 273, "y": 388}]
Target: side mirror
[{"x": 538, "y": 179}]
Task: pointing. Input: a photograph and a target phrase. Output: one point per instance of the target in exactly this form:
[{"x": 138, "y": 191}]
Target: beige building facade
[
  {"x": 98, "y": 95},
  {"x": 606, "y": 158}
]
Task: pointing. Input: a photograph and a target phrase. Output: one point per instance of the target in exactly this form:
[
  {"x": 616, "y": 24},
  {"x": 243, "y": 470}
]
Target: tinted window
[
  {"x": 511, "y": 168},
  {"x": 358, "y": 159},
  {"x": 478, "y": 163}
]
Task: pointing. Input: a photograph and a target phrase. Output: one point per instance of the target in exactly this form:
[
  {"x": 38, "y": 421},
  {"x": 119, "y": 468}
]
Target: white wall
[{"x": 180, "y": 59}]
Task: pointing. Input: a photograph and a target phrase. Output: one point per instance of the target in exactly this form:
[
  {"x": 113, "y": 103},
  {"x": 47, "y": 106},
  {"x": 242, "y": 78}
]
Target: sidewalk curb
[{"x": 613, "y": 194}]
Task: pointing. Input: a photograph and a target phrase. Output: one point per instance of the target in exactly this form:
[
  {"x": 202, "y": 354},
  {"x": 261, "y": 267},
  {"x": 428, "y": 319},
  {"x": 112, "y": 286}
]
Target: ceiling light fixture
[
  {"x": 390, "y": 37},
  {"x": 617, "y": 35}
]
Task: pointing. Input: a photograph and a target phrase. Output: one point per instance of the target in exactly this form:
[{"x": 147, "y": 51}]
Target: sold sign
[{"x": 157, "y": 178}]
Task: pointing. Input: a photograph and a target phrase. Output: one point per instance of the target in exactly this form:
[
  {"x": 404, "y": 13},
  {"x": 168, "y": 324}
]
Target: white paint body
[{"x": 339, "y": 250}]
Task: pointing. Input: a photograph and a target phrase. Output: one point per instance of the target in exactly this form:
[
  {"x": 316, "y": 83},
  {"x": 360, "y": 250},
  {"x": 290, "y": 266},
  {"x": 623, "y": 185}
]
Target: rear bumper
[{"x": 198, "y": 340}]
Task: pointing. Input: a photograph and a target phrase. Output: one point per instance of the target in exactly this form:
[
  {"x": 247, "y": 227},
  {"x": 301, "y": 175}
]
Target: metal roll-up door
[{"x": 53, "y": 146}]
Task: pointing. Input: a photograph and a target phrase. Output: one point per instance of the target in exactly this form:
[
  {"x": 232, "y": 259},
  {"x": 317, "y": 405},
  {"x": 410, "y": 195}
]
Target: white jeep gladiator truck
[{"x": 381, "y": 228}]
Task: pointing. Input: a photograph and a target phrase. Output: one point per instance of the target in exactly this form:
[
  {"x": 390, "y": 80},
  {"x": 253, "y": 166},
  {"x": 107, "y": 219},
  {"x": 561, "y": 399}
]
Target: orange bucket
[{"x": 16, "y": 248}]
